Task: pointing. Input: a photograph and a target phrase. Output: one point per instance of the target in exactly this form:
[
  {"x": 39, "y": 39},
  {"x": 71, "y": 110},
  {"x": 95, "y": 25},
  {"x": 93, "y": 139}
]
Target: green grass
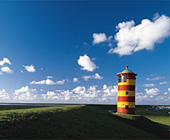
[
  {"x": 68, "y": 122},
  {"x": 12, "y": 107},
  {"x": 159, "y": 116},
  {"x": 128, "y": 116}
]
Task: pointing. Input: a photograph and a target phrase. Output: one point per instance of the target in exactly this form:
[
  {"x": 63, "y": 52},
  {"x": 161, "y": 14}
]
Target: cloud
[
  {"x": 100, "y": 37},
  {"x": 6, "y": 69},
  {"x": 141, "y": 97},
  {"x": 86, "y": 63},
  {"x": 163, "y": 83},
  {"x": 149, "y": 85},
  {"x": 93, "y": 59},
  {"x": 95, "y": 76},
  {"x": 152, "y": 96},
  {"x": 24, "y": 89},
  {"x": 25, "y": 94},
  {"x": 30, "y": 68},
  {"x": 5, "y": 61},
  {"x": 58, "y": 95},
  {"x": 75, "y": 80},
  {"x": 167, "y": 93},
  {"x": 4, "y": 95},
  {"x": 155, "y": 78},
  {"x": 131, "y": 38},
  {"x": 149, "y": 96},
  {"x": 79, "y": 89},
  {"x": 61, "y": 82},
  {"x": 152, "y": 91},
  {"x": 49, "y": 77},
  {"x": 169, "y": 89},
  {"x": 81, "y": 94},
  {"x": 48, "y": 82},
  {"x": 41, "y": 90},
  {"x": 85, "y": 44}
]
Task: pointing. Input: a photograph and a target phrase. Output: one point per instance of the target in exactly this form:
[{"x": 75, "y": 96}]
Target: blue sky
[{"x": 40, "y": 39}]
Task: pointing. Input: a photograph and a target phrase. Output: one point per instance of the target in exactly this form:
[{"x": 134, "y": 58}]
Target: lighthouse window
[
  {"x": 126, "y": 107},
  {"x": 127, "y": 93},
  {"x": 123, "y": 78},
  {"x": 119, "y": 79}
]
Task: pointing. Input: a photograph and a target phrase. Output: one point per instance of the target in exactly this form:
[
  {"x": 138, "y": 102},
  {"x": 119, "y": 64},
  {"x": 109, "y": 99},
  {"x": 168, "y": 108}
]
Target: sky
[{"x": 71, "y": 51}]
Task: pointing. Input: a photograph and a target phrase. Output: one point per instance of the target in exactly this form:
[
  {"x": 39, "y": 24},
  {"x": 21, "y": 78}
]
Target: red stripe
[
  {"x": 126, "y": 99},
  {"x": 128, "y": 75},
  {"x": 127, "y": 111},
  {"x": 126, "y": 87}
]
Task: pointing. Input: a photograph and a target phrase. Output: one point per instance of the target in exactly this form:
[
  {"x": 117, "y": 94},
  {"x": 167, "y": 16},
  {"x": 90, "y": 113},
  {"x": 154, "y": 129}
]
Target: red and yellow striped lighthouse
[{"x": 126, "y": 92}]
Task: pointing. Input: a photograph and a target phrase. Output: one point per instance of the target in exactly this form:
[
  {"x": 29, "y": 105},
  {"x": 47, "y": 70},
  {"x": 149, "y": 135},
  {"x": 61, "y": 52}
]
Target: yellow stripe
[
  {"x": 123, "y": 93},
  {"x": 124, "y": 104},
  {"x": 128, "y": 82}
]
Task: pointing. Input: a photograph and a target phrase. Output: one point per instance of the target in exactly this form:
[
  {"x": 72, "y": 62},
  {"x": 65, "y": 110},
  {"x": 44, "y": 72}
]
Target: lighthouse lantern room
[{"x": 126, "y": 92}]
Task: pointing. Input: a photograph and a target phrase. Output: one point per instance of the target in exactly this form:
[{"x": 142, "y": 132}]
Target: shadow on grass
[
  {"x": 145, "y": 124},
  {"x": 87, "y": 122}
]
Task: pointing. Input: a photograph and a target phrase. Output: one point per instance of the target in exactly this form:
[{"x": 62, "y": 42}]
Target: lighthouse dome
[{"x": 127, "y": 70}]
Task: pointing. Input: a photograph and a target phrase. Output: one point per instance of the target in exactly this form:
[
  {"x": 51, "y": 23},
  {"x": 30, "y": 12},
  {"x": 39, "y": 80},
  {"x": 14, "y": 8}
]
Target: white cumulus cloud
[
  {"x": 100, "y": 37},
  {"x": 149, "y": 85},
  {"x": 6, "y": 69},
  {"x": 81, "y": 94},
  {"x": 131, "y": 38},
  {"x": 48, "y": 82},
  {"x": 152, "y": 96},
  {"x": 163, "y": 83},
  {"x": 49, "y": 77},
  {"x": 80, "y": 89},
  {"x": 30, "y": 68},
  {"x": 169, "y": 89},
  {"x": 86, "y": 63},
  {"x": 25, "y": 94},
  {"x": 5, "y": 61},
  {"x": 4, "y": 95},
  {"x": 152, "y": 91},
  {"x": 95, "y": 76},
  {"x": 155, "y": 78},
  {"x": 75, "y": 80}
]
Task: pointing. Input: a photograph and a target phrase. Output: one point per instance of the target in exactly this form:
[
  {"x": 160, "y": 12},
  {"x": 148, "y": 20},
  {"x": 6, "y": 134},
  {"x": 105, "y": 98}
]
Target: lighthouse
[{"x": 126, "y": 92}]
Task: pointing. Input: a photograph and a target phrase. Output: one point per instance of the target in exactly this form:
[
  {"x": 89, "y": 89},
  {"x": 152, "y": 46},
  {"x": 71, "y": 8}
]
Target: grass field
[
  {"x": 159, "y": 116},
  {"x": 77, "y": 122}
]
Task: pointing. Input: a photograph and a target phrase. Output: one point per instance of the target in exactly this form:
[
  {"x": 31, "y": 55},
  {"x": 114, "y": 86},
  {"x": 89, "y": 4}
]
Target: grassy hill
[{"x": 76, "y": 122}]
